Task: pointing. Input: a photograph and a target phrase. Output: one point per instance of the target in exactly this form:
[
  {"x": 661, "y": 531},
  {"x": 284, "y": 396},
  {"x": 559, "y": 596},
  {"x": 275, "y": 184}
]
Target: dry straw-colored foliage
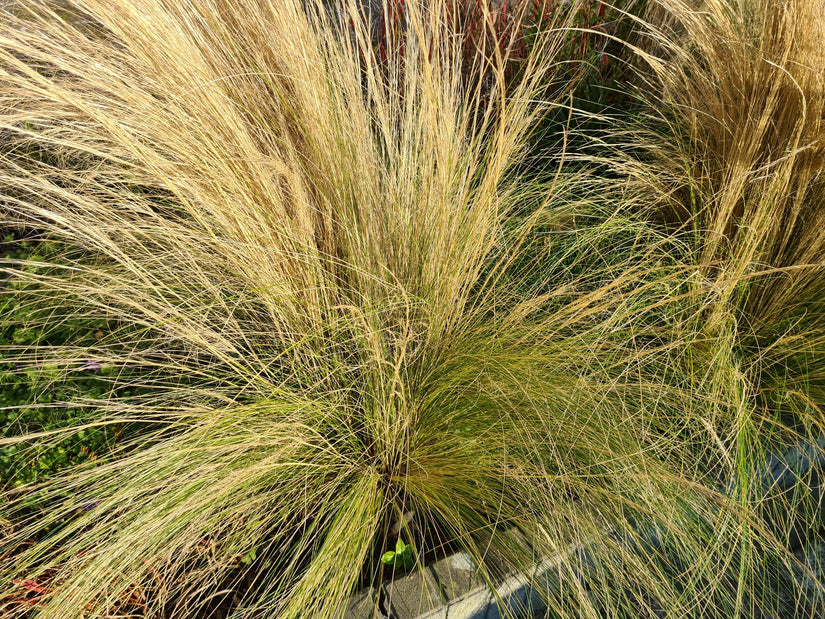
[{"x": 345, "y": 301}]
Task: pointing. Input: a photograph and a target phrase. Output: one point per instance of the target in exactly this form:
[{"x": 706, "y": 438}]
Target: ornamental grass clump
[
  {"x": 731, "y": 158},
  {"x": 340, "y": 324},
  {"x": 727, "y": 153}
]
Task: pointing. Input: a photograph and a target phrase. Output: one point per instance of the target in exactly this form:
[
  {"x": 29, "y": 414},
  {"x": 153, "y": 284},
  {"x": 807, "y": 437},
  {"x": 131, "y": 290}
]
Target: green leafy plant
[
  {"x": 249, "y": 557},
  {"x": 402, "y": 556},
  {"x": 30, "y": 388}
]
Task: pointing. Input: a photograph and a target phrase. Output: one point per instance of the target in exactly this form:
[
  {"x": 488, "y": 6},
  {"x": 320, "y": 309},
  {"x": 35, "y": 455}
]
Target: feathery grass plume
[
  {"x": 341, "y": 307},
  {"x": 728, "y": 152}
]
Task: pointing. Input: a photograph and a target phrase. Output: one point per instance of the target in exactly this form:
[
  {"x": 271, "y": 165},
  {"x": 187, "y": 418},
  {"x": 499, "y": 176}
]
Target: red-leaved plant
[{"x": 506, "y": 32}]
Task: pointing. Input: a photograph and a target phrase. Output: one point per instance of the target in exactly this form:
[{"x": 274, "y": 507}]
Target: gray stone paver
[
  {"x": 413, "y": 595},
  {"x": 362, "y": 605},
  {"x": 456, "y": 575}
]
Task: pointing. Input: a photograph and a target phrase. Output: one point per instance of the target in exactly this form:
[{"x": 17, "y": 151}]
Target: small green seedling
[
  {"x": 249, "y": 557},
  {"x": 402, "y": 556}
]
